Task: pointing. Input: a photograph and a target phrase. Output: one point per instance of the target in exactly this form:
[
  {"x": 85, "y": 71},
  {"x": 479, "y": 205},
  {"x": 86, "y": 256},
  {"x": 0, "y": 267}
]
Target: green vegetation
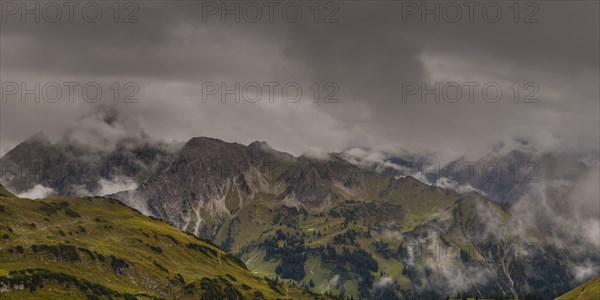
[
  {"x": 341, "y": 250},
  {"x": 98, "y": 248},
  {"x": 359, "y": 241},
  {"x": 590, "y": 290},
  {"x": 5, "y": 193}
]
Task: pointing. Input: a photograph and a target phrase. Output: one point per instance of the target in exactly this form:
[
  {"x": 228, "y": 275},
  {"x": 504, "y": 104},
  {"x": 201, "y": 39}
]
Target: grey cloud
[{"x": 369, "y": 53}]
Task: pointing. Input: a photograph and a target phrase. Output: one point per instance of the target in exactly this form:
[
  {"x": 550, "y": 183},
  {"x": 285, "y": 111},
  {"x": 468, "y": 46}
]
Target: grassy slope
[
  {"x": 588, "y": 290},
  {"x": 5, "y": 193},
  {"x": 254, "y": 222},
  {"x": 420, "y": 206},
  {"x": 156, "y": 258}
]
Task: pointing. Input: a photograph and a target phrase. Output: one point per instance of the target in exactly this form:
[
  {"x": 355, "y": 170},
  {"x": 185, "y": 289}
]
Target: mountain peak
[
  {"x": 39, "y": 144},
  {"x": 317, "y": 154},
  {"x": 260, "y": 145},
  {"x": 39, "y": 137},
  {"x": 203, "y": 141}
]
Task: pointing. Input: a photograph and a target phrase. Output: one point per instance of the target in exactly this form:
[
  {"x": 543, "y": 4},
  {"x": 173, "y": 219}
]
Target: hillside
[
  {"x": 210, "y": 181},
  {"x": 321, "y": 223},
  {"x": 5, "y": 193},
  {"x": 324, "y": 224},
  {"x": 589, "y": 290},
  {"x": 98, "y": 248},
  {"x": 279, "y": 212}
]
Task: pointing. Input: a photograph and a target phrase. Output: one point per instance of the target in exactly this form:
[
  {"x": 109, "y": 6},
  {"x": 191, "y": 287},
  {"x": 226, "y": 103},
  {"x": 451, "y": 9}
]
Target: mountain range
[{"x": 340, "y": 224}]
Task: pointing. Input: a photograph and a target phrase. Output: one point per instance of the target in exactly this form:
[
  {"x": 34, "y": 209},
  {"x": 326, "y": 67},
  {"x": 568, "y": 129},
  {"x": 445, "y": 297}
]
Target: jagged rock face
[
  {"x": 239, "y": 195},
  {"x": 21, "y": 166},
  {"x": 74, "y": 169},
  {"x": 311, "y": 181},
  {"x": 199, "y": 177},
  {"x": 209, "y": 180}
]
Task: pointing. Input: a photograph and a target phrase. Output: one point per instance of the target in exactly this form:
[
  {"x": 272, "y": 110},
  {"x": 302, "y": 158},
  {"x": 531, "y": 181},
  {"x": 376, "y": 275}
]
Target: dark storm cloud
[
  {"x": 369, "y": 53},
  {"x": 377, "y": 52}
]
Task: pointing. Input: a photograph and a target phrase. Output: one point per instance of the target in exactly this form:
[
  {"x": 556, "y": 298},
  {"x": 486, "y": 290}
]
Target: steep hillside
[
  {"x": 322, "y": 223},
  {"x": 5, "y": 193},
  {"x": 589, "y": 290},
  {"x": 98, "y": 248},
  {"x": 210, "y": 181},
  {"x": 272, "y": 209}
]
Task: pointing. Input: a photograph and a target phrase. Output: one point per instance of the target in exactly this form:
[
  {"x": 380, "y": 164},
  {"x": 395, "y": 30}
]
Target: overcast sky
[{"x": 368, "y": 57}]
